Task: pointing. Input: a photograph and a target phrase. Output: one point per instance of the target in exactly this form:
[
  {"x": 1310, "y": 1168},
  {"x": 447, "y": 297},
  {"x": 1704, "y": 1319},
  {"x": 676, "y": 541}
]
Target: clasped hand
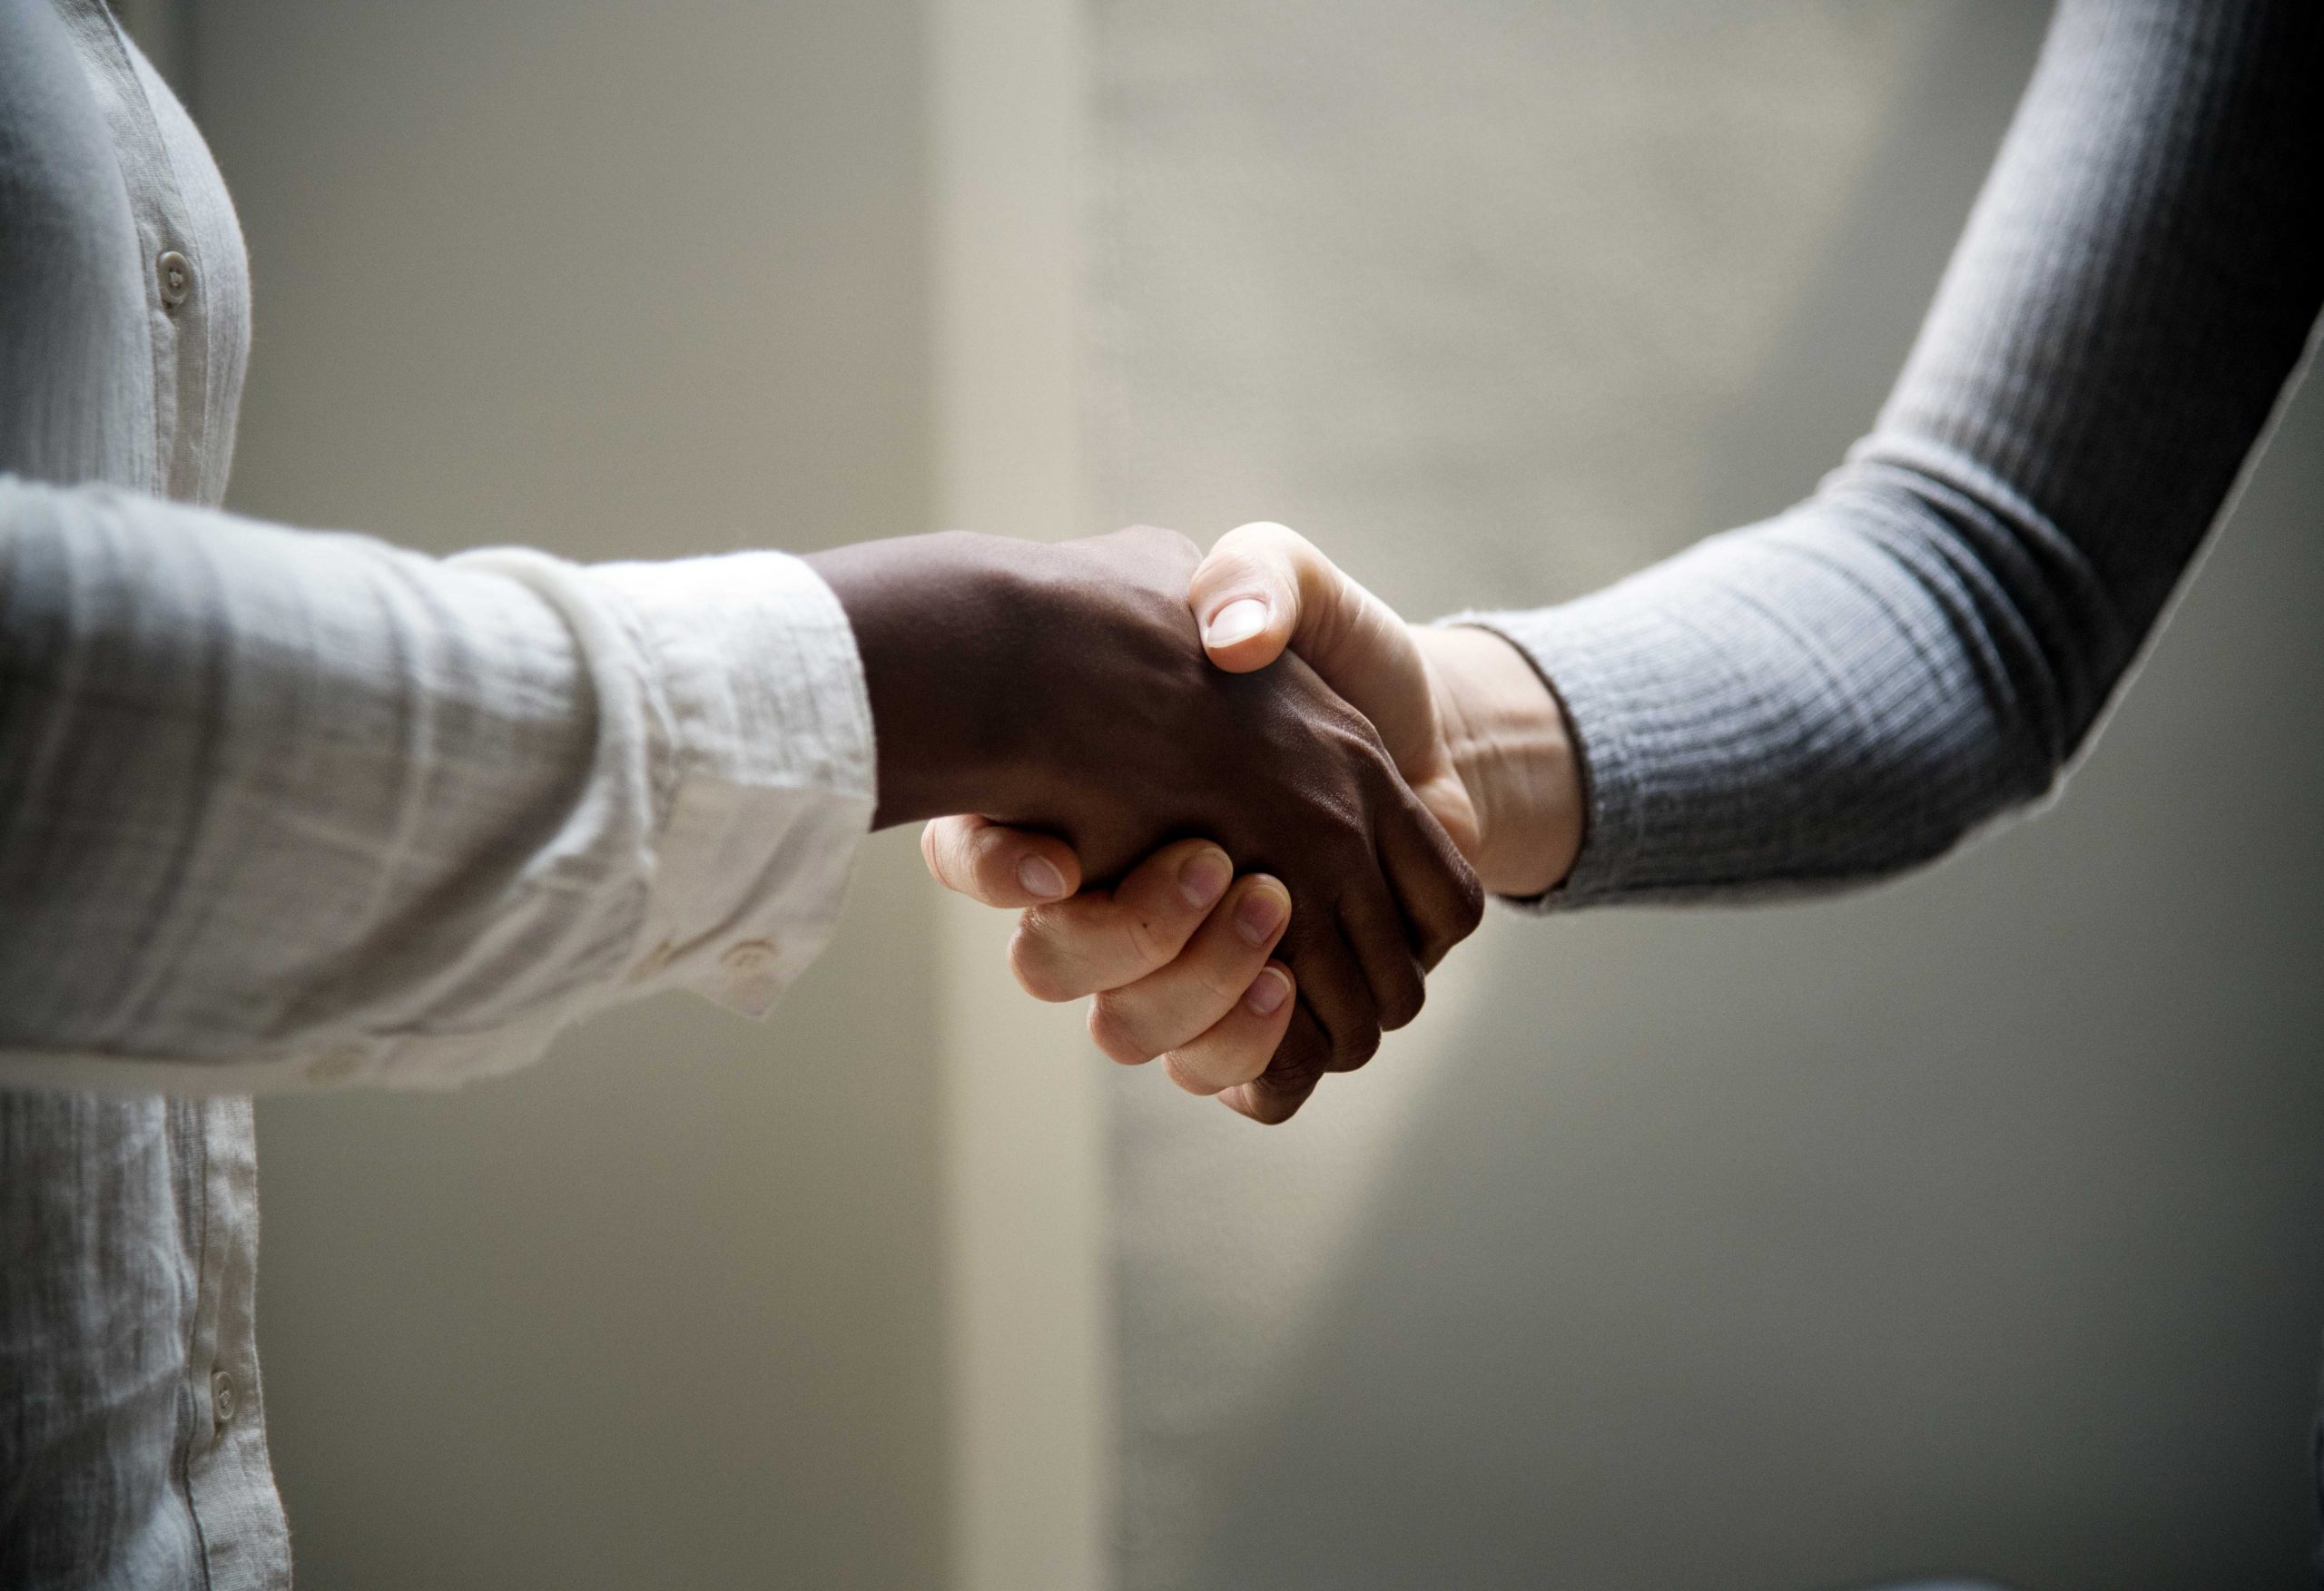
[{"x": 1121, "y": 717}]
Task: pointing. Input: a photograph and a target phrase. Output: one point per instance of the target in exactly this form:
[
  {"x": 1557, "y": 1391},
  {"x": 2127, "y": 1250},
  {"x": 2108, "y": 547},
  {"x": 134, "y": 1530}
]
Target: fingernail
[
  {"x": 1040, "y": 877},
  {"x": 1259, "y": 913},
  {"x": 1238, "y": 621},
  {"x": 1267, "y": 991},
  {"x": 1204, "y": 878}
]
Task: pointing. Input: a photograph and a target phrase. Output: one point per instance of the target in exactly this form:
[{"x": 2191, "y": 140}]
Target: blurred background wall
[
  {"x": 1969, "y": 1223},
  {"x": 668, "y": 1308}
]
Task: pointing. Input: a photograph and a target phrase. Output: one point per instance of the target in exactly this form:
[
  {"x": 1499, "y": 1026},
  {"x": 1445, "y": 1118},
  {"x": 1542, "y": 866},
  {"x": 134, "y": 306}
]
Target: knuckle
[
  {"x": 1221, "y": 985},
  {"x": 1113, "y": 1033},
  {"x": 1351, "y": 1051},
  {"x": 1239, "y": 569},
  {"x": 1222, "y": 1059},
  {"x": 1274, "y": 1107},
  {"x": 1355, "y": 1012},
  {"x": 1471, "y": 906},
  {"x": 1244, "y": 1063},
  {"x": 1038, "y": 972},
  {"x": 1144, "y": 943},
  {"x": 1184, "y": 1073},
  {"x": 1465, "y": 913},
  {"x": 993, "y": 861},
  {"x": 1261, "y": 555},
  {"x": 1275, "y": 1096},
  {"x": 1294, "y": 1065},
  {"x": 1278, "y": 1095},
  {"x": 1403, "y": 1002}
]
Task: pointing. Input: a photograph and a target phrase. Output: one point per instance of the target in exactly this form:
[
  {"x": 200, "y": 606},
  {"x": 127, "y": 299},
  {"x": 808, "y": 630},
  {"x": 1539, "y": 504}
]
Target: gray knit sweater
[{"x": 1849, "y": 688}]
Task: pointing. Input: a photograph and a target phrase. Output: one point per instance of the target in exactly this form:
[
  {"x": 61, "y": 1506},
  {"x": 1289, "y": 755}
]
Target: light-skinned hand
[{"x": 1471, "y": 726}]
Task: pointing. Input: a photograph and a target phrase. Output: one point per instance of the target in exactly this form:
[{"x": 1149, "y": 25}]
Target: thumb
[
  {"x": 1247, "y": 595},
  {"x": 1264, "y": 588}
]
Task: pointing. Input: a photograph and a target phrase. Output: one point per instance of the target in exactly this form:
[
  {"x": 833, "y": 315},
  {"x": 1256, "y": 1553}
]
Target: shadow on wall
[{"x": 1967, "y": 1224}]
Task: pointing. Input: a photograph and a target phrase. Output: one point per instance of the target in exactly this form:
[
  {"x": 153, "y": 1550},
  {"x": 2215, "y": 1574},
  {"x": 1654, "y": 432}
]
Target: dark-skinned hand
[{"x": 1064, "y": 689}]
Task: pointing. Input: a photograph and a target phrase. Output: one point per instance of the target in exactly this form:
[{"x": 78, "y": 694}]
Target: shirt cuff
[{"x": 771, "y": 774}]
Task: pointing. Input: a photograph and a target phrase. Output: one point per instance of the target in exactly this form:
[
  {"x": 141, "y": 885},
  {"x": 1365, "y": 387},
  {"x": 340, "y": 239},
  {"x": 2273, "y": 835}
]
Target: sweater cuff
[{"x": 1629, "y": 681}]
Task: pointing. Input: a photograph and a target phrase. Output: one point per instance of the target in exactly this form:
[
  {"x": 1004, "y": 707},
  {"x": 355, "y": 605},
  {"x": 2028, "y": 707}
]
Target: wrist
[
  {"x": 942, "y": 628},
  {"x": 1510, "y": 745}
]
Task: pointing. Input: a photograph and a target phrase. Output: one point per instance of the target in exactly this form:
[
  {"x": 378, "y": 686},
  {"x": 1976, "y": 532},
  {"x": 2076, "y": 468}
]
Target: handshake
[{"x": 1245, "y": 805}]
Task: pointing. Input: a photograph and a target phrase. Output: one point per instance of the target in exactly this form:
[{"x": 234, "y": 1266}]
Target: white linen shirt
[{"x": 280, "y": 810}]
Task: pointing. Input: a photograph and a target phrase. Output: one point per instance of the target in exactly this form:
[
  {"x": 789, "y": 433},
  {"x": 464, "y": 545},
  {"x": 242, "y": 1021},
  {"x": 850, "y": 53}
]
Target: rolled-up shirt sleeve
[{"x": 285, "y": 810}]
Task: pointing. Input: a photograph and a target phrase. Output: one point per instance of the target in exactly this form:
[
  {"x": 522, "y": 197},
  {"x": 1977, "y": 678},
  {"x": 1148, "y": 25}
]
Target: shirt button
[
  {"x": 751, "y": 973},
  {"x": 222, "y": 1397},
  {"x": 751, "y": 959},
  {"x": 176, "y": 273}
]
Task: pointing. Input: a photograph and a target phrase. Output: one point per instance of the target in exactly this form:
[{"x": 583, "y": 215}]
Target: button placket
[{"x": 221, "y": 1399}]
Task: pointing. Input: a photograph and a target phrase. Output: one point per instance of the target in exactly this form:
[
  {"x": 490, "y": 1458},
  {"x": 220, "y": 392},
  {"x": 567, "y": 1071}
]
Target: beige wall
[
  {"x": 1024, "y": 1191},
  {"x": 669, "y": 1309},
  {"x": 1970, "y": 1223}
]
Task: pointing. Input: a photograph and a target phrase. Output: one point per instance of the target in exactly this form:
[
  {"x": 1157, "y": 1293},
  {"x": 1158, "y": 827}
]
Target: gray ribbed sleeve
[{"x": 1849, "y": 689}]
